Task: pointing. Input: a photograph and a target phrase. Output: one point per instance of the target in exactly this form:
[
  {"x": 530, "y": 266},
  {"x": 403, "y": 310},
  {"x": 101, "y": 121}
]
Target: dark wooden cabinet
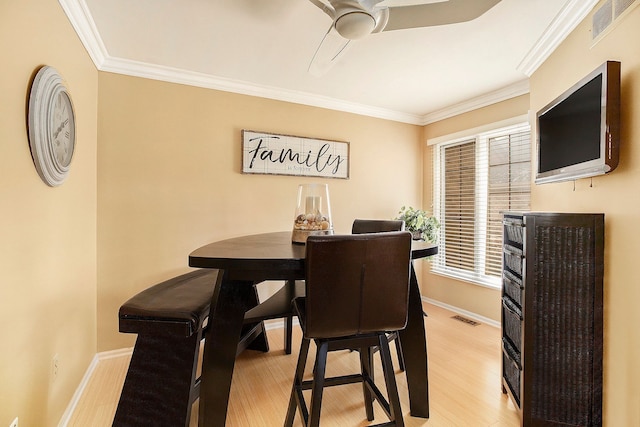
[{"x": 552, "y": 317}]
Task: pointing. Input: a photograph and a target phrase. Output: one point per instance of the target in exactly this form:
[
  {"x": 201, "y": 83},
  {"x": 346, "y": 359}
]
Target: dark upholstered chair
[
  {"x": 361, "y": 226},
  {"x": 357, "y": 290},
  {"x": 279, "y": 304}
]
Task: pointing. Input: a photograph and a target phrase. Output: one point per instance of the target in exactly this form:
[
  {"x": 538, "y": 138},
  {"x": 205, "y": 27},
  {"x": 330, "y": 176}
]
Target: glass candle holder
[{"x": 313, "y": 212}]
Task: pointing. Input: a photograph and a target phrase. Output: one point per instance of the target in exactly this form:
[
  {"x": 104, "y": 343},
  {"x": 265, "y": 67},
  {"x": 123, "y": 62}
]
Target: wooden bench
[{"x": 169, "y": 318}]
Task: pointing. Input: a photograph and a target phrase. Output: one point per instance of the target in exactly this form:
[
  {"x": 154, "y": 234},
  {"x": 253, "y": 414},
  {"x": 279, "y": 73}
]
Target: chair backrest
[
  {"x": 376, "y": 225},
  {"x": 356, "y": 283}
]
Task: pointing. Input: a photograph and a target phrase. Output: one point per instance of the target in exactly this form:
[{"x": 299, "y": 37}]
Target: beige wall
[
  {"x": 615, "y": 194},
  {"x": 169, "y": 178},
  {"x": 47, "y": 235},
  {"x": 476, "y": 299}
]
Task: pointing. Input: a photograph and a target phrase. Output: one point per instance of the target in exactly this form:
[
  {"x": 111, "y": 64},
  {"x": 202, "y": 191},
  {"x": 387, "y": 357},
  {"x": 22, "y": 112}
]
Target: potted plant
[{"x": 420, "y": 223}]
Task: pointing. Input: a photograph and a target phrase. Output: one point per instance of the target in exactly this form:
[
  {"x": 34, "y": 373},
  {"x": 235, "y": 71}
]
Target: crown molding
[
  {"x": 191, "y": 78},
  {"x": 82, "y": 22},
  {"x": 562, "y": 25},
  {"x": 80, "y": 17},
  {"x": 519, "y": 88}
]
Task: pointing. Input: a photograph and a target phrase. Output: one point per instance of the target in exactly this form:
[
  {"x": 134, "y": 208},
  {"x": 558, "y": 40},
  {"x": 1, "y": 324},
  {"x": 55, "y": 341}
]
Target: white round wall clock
[{"x": 52, "y": 126}]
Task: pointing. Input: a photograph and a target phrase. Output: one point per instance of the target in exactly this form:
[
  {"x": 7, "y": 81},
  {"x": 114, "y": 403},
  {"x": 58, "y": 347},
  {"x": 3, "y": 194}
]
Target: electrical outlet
[
  {"x": 14, "y": 423},
  {"x": 55, "y": 367}
]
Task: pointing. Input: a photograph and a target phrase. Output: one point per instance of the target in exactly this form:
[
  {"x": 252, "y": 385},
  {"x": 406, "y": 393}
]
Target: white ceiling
[{"x": 263, "y": 48}]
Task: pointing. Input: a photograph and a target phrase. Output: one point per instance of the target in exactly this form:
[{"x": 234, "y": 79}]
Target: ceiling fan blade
[
  {"x": 331, "y": 48},
  {"x": 370, "y": 4},
  {"x": 381, "y": 15},
  {"x": 432, "y": 14},
  {"x": 325, "y": 8}
]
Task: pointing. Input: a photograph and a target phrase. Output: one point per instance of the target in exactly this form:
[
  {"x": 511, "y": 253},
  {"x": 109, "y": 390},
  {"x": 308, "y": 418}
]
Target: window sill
[{"x": 491, "y": 283}]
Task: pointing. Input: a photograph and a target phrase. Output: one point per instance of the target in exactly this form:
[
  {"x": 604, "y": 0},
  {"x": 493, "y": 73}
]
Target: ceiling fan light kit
[{"x": 355, "y": 24}]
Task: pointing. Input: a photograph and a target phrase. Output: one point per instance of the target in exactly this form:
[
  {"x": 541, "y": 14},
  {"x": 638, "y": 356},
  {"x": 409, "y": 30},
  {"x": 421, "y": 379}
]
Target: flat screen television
[{"x": 579, "y": 132}]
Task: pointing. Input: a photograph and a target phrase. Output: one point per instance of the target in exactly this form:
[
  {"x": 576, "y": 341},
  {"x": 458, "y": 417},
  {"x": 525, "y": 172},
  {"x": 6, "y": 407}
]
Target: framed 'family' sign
[{"x": 268, "y": 153}]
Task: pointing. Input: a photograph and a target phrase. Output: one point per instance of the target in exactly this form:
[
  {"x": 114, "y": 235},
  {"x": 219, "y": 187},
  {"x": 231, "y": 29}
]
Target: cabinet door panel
[{"x": 563, "y": 320}]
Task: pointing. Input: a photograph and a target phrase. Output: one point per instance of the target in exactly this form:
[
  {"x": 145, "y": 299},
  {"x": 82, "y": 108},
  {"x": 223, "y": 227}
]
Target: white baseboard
[
  {"x": 66, "y": 417},
  {"x": 115, "y": 353},
  {"x": 465, "y": 313}
]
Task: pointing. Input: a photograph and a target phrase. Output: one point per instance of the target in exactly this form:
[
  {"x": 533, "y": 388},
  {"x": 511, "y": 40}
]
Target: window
[{"x": 478, "y": 176}]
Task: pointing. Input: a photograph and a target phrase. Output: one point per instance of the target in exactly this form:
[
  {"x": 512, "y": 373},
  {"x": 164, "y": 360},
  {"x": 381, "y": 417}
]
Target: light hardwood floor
[{"x": 464, "y": 383}]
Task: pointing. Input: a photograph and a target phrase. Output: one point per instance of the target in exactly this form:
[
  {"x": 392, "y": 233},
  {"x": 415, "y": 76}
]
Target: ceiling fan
[{"x": 356, "y": 19}]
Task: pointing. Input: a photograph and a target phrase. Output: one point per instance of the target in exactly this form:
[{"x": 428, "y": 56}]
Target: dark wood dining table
[{"x": 248, "y": 260}]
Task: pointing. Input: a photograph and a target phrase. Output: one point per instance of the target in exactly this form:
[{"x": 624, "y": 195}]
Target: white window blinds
[
  {"x": 458, "y": 219},
  {"x": 476, "y": 179}
]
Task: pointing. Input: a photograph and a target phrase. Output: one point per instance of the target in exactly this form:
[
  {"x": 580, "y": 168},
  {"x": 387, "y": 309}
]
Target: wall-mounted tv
[{"x": 579, "y": 132}]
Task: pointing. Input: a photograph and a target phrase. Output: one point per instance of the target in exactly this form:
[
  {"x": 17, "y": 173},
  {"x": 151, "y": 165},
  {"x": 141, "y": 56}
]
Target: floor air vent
[{"x": 465, "y": 320}]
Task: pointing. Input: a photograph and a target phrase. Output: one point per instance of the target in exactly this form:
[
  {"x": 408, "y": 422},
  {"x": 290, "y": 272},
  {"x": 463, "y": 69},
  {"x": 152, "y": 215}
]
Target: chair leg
[
  {"x": 390, "y": 381},
  {"x": 366, "y": 364},
  {"x": 296, "y": 400},
  {"x": 318, "y": 383},
  {"x": 288, "y": 332},
  {"x": 399, "y": 352}
]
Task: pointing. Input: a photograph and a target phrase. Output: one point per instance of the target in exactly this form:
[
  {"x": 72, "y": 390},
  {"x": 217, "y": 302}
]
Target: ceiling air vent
[
  {"x": 620, "y": 6},
  {"x": 609, "y": 13},
  {"x": 602, "y": 19}
]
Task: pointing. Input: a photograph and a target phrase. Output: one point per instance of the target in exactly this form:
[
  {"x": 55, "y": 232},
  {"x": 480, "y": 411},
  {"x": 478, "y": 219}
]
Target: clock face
[
  {"x": 62, "y": 129},
  {"x": 52, "y": 126}
]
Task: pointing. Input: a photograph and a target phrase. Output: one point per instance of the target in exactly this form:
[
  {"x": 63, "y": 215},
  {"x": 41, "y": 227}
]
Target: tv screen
[{"x": 578, "y": 133}]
